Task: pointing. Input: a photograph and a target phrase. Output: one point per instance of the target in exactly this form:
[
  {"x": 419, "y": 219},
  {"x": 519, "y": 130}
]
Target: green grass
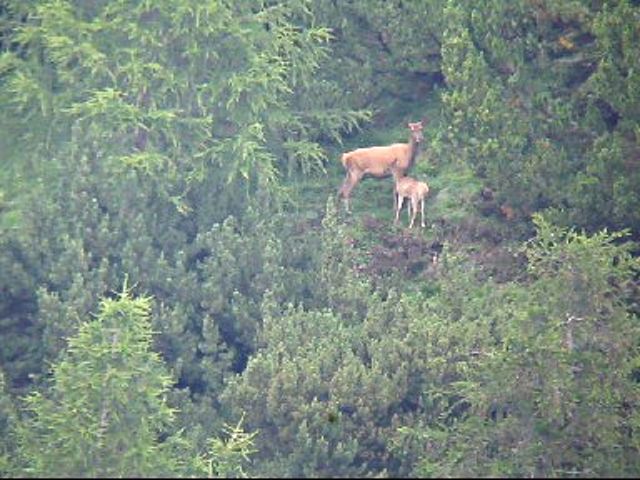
[{"x": 453, "y": 190}]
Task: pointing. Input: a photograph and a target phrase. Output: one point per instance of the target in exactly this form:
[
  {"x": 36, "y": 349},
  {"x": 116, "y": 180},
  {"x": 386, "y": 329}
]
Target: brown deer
[
  {"x": 377, "y": 161},
  {"x": 414, "y": 190}
]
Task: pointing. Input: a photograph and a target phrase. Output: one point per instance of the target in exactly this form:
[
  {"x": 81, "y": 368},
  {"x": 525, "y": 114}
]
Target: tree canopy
[{"x": 182, "y": 294}]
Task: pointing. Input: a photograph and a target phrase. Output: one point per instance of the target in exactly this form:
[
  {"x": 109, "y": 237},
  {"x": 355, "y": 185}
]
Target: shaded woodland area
[{"x": 182, "y": 292}]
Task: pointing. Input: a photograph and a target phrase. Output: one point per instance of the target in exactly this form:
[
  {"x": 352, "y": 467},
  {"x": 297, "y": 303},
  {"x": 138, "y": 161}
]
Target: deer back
[
  {"x": 410, "y": 187},
  {"x": 377, "y": 160}
]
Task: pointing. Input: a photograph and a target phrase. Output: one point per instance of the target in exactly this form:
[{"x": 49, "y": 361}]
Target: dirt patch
[
  {"x": 412, "y": 253},
  {"x": 406, "y": 251}
]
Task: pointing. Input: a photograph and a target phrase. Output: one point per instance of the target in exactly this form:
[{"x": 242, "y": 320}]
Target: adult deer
[
  {"x": 377, "y": 161},
  {"x": 414, "y": 190}
]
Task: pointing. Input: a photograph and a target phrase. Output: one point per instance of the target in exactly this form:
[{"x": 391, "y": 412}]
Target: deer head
[{"x": 416, "y": 131}]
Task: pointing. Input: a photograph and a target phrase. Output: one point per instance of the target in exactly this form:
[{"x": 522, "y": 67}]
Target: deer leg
[
  {"x": 414, "y": 210},
  {"x": 343, "y": 191},
  {"x": 422, "y": 211},
  {"x": 399, "y": 202},
  {"x": 350, "y": 181},
  {"x": 395, "y": 198},
  {"x": 395, "y": 205}
]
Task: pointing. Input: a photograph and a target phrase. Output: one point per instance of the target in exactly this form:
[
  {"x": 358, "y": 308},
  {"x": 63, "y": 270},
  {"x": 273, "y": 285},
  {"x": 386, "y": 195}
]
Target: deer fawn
[{"x": 415, "y": 191}]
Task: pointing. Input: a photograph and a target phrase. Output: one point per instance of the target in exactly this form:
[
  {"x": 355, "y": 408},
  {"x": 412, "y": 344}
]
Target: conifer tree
[
  {"x": 105, "y": 413},
  {"x": 105, "y": 410}
]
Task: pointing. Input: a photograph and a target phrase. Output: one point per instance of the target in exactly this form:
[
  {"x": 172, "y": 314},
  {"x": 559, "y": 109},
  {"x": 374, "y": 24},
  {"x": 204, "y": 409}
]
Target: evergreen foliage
[
  {"x": 106, "y": 409},
  {"x": 543, "y": 358},
  {"x": 193, "y": 148},
  {"x": 8, "y": 418}
]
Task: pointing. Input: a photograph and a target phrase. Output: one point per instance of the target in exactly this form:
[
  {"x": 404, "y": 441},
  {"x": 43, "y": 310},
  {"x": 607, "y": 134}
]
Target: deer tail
[{"x": 345, "y": 160}]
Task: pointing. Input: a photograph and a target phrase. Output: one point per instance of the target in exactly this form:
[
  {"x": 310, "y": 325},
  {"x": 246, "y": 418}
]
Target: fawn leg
[{"x": 399, "y": 202}]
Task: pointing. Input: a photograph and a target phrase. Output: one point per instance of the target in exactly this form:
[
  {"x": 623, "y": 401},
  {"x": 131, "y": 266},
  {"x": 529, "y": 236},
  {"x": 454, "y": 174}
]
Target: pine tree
[{"x": 106, "y": 414}]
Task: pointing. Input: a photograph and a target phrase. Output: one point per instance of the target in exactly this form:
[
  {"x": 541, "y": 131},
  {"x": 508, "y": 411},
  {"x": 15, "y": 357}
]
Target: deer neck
[
  {"x": 414, "y": 148},
  {"x": 397, "y": 175}
]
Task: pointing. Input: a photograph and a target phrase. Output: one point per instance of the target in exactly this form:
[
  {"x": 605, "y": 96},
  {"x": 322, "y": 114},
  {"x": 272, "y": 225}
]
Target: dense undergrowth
[{"x": 182, "y": 293}]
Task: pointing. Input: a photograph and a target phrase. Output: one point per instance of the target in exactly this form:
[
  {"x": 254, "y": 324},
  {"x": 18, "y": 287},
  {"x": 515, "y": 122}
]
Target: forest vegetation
[{"x": 183, "y": 293}]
